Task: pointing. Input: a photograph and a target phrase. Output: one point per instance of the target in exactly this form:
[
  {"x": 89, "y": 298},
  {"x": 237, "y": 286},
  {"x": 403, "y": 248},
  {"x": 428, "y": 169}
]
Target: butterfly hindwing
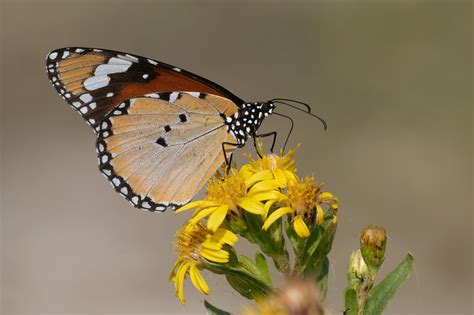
[
  {"x": 94, "y": 81},
  {"x": 159, "y": 150}
]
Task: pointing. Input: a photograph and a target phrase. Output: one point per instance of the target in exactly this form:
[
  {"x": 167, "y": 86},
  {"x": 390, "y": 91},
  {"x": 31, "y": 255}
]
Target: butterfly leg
[
  {"x": 228, "y": 160},
  {"x": 263, "y": 135}
]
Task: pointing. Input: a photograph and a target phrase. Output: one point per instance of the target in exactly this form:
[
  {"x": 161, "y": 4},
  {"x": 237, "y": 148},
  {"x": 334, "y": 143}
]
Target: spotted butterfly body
[{"x": 160, "y": 129}]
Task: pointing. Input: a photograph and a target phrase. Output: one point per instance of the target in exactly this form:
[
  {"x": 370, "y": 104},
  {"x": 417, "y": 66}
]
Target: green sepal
[
  {"x": 212, "y": 310},
  {"x": 242, "y": 287},
  {"x": 252, "y": 268},
  {"x": 245, "y": 283},
  {"x": 350, "y": 302},
  {"x": 261, "y": 238},
  {"x": 296, "y": 241},
  {"x": 323, "y": 277},
  {"x": 318, "y": 245},
  {"x": 380, "y": 295},
  {"x": 271, "y": 242},
  {"x": 262, "y": 265}
]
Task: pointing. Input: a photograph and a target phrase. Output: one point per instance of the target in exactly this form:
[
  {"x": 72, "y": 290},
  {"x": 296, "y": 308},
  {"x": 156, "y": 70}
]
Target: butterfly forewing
[
  {"x": 95, "y": 81},
  {"x": 159, "y": 150}
]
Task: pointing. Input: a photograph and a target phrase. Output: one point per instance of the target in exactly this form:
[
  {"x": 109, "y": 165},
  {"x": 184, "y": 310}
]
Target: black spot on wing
[
  {"x": 183, "y": 118},
  {"x": 161, "y": 141}
]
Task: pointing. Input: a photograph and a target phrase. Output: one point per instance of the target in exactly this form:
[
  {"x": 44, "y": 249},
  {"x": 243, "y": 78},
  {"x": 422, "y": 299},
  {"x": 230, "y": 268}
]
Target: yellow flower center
[
  {"x": 272, "y": 161},
  {"x": 227, "y": 191},
  {"x": 302, "y": 195},
  {"x": 188, "y": 241}
]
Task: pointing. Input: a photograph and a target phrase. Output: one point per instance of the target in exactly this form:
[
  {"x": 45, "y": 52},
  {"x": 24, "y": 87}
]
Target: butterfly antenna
[
  {"x": 308, "y": 108},
  {"x": 308, "y": 111},
  {"x": 291, "y": 128}
]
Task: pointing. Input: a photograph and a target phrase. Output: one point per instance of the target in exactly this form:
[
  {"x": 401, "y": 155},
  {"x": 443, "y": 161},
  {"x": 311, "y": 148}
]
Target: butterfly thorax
[{"x": 245, "y": 122}]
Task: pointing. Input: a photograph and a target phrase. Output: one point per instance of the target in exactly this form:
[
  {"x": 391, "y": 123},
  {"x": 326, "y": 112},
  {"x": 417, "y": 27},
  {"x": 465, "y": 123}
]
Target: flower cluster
[
  {"x": 265, "y": 189},
  {"x": 195, "y": 244}
]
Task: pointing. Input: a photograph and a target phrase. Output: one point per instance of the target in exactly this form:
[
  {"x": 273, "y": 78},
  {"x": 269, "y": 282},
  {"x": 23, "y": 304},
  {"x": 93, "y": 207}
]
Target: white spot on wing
[
  {"x": 177, "y": 69},
  {"x": 112, "y": 68},
  {"x": 174, "y": 97},
  {"x": 193, "y": 94},
  {"x": 155, "y": 95},
  {"x": 65, "y": 54},
  {"x": 85, "y": 98},
  {"x": 116, "y": 181},
  {"x": 153, "y": 62},
  {"x": 96, "y": 82},
  {"x": 53, "y": 55}
]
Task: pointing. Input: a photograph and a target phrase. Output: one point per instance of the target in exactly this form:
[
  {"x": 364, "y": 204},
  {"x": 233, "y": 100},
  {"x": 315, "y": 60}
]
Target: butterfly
[{"x": 162, "y": 131}]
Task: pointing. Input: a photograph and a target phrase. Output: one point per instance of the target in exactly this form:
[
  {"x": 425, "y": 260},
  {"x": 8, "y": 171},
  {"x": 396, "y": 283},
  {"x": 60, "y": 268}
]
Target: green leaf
[
  {"x": 350, "y": 301},
  {"x": 271, "y": 242},
  {"x": 263, "y": 267},
  {"x": 212, "y": 310},
  {"x": 262, "y": 238},
  {"x": 310, "y": 246},
  {"x": 247, "y": 281},
  {"x": 381, "y": 294},
  {"x": 324, "y": 277},
  {"x": 297, "y": 242},
  {"x": 242, "y": 287},
  {"x": 252, "y": 268}
]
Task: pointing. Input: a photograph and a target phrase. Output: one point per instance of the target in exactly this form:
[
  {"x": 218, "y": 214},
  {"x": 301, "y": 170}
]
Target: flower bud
[
  {"x": 357, "y": 271},
  {"x": 372, "y": 245}
]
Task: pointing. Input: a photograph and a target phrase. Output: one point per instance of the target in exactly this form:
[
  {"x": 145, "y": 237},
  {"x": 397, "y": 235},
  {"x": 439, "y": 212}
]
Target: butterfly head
[{"x": 267, "y": 108}]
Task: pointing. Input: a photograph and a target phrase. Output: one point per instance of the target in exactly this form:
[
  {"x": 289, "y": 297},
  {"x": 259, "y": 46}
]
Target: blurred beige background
[{"x": 392, "y": 78}]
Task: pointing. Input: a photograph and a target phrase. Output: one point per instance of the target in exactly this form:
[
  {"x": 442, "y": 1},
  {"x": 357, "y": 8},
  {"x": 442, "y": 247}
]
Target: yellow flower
[
  {"x": 196, "y": 245},
  {"x": 226, "y": 197},
  {"x": 303, "y": 204},
  {"x": 280, "y": 168}
]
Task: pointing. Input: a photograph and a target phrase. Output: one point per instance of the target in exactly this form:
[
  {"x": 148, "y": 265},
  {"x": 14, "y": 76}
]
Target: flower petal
[
  {"x": 267, "y": 207},
  {"x": 218, "y": 256},
  {"x": 258, "y": 177},
  {"x": 319, "y": 214},
  {"x": 217, "y": 217},
  {"x": 223, "y": 236},
  {"x": 271, "y": 184},
  {"x": 194, "y": 204},
  {"x": 279, "y": 175},
  {"x": 198, "y": 280},
  {"x": 173, "y": 270},
  {"x": 329, "y": 199},
  {"x": 251, "y": 205},
  {"x": 179, "y": 281},
  {"x": 198, "y": 215},
  {"x": 300, "y": 227},
  {"x": 267, "y": 195},
  {"x": 275, "y": 216}
]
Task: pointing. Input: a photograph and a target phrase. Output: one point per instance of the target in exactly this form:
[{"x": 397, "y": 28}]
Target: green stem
[{"x": 365, "y": 288}]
